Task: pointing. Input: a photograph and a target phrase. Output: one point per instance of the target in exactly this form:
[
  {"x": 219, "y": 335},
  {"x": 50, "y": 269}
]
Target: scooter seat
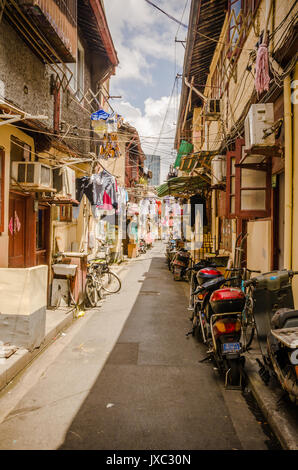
[
  {"x": 284, "y": 318},
  {"x": 211, "y": 285}
]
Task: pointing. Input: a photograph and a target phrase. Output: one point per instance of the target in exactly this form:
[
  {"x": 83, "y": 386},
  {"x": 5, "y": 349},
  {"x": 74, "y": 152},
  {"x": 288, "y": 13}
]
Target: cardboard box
[{"x": 132, "y": 250}]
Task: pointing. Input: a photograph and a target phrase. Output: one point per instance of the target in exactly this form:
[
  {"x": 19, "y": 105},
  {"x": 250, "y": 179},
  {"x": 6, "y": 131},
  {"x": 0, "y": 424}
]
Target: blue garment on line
[{"x": 100, "y": 114}]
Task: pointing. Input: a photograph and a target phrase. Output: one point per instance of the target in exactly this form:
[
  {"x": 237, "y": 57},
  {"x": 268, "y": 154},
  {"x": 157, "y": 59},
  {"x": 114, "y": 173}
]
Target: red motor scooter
[{"x": 219, "y": 327}]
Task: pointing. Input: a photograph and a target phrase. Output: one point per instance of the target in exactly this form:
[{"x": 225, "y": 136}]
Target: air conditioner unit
[
  {"x": 218, "y": 169},
  {"x": 65, "y": 182},
  {"x": 213, "y": 109},
  {"x": 260, "y": 117},
  {"x": 33, "y": 174}
]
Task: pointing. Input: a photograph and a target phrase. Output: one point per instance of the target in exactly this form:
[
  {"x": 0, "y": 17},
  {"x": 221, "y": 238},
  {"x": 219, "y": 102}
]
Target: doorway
[{"x": 42, "y": 235}]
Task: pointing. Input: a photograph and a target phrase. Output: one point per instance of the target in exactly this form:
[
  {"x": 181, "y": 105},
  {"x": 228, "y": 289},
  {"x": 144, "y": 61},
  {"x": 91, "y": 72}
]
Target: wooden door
[
  {"x": 17, "y": 231},
  {"x": 42, "y": 235}
]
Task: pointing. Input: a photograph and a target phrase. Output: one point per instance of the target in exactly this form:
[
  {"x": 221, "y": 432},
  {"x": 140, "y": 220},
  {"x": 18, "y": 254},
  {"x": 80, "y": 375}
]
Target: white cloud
[
  {"x": 149, "y": 125},
  {"x": 141, "y": 33}
]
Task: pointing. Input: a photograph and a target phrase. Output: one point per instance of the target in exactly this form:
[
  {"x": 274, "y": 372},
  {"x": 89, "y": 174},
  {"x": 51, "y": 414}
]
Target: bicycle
[
  {"x": 247, "y": 319},
  {"x": 100, "y": 278}
]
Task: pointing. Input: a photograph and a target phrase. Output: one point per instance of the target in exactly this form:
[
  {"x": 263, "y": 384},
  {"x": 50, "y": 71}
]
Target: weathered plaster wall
[{"x": 19, "y": 67}]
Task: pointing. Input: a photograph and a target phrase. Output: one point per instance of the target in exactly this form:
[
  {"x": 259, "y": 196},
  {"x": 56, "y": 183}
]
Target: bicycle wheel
[
  {"x": 248, "y": 331},
  {"x": 110, "y": 282},
  {"x": 248, "y": 324},
  {"x": 91, "y": 293}
]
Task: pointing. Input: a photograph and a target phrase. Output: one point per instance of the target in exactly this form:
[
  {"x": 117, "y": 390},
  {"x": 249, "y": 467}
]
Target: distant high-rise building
[{"x": 152, "y": 162}]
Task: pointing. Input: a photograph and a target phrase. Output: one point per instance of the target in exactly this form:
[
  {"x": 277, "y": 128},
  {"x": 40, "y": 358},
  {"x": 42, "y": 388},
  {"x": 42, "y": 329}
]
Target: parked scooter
[
  {"x": 208, "y": 270},
  {"x": 171, "y": 251},
  {"x": 276, "y": 323},
  {"x": 179, "y": 264},
  {"x": 217, "y": 323}
]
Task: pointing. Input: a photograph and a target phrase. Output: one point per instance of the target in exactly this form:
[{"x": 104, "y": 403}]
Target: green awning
[
  {"x": 184, "y": 149},
  {"x": 187, "y": 163},
  {"x": 182, "y": 185}
]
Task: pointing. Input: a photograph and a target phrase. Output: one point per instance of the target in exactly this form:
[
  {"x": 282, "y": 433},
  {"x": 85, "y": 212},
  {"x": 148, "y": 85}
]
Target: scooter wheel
[{"x": 235, "y": 371}]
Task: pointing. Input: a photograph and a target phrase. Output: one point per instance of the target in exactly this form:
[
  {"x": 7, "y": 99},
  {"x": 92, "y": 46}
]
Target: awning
[
  {"x": 184, "y": 149},
  {"x": 182, "y": 185},
  {"x": 187, "y": 163},
  {"x": 197, "y": 160}
]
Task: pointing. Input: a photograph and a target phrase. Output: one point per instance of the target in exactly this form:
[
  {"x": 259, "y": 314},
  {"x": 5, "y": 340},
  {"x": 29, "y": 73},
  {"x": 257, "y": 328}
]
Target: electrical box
[
  {"x": 259, "y": 119},
  {"x": 33, "y": 174},
  {"x": 218, "y": 169}
]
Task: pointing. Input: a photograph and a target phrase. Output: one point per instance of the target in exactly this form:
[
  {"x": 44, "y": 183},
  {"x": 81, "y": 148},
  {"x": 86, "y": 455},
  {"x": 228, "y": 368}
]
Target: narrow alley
[
  {"x": 148, "y": 227},
  {"x": 141, "y": 387}
]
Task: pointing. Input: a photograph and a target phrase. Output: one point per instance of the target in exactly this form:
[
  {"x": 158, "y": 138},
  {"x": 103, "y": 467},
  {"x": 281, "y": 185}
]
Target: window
[
  {"x": 77, "y": 80},
  {"x": 248, "y": 188},
  {"x": 235, "y": 22},
  {"x": 241, "y": 13},
  {"x": 2, "y": 169},
  {"x": 254, "y": 188},
  {"x": 65, "y": 213},
  {"x": 231, "y": 183}
]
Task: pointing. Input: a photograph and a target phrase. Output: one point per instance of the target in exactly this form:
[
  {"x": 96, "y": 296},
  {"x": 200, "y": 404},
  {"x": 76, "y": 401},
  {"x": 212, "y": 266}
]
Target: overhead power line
[{"x": 167, "y": 14}]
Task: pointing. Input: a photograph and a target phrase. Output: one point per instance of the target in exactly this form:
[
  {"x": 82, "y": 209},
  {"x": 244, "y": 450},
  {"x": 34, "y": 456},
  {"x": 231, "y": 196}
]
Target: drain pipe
[{"x": 288, "y": 174}]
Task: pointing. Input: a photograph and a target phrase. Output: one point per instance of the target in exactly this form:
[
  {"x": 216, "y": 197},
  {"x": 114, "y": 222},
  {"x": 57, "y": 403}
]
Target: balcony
[{"x": 49, "y": 27}]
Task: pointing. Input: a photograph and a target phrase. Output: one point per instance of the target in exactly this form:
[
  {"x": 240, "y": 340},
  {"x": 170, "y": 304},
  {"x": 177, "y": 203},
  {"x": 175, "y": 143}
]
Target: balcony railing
[{"x": 51, "y": 24}]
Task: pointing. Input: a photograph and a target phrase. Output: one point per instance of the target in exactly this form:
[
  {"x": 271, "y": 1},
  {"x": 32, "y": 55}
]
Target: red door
[{"x": 17, "y": 231}]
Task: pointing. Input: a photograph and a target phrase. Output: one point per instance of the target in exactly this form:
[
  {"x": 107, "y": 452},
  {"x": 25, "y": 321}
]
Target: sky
[{"x": 149, "y": 60}]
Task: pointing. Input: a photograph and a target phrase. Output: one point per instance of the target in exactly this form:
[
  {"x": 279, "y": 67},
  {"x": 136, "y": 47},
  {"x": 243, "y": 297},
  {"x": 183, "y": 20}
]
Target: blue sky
[{"x": 149, "y": 60}]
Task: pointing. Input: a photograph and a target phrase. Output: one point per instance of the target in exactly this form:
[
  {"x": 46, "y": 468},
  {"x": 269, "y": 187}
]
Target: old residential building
[
  {"x": 63, "y": 57},
  {"x": 240, "y": 121}
]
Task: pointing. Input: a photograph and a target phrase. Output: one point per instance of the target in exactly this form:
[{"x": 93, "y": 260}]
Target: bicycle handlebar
[{"x": 249, "y": 282}]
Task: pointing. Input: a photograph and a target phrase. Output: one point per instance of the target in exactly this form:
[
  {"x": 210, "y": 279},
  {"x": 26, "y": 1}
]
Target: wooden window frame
[
  {"x": 2, "y": 189},
  {"x": 68, "y": 215},
  {"x": 245, "y": 214},
  {"x": 232, "y": 154},
  {"x": 253, "y": 214},
  {"x": 248, "y": 7}
]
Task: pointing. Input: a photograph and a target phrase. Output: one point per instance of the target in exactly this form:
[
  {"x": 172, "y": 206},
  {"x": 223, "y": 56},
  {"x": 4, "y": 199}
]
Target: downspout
[
  {"x": 295, "y": 179},
  {"x": 288, "y": 174}
]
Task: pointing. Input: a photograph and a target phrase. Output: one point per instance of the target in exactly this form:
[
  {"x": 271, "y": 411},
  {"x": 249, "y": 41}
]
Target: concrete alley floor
[{"x": 126, "y": 377}]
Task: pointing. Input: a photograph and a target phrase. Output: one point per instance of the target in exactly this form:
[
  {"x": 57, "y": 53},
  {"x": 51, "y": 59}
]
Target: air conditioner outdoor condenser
[
  {"x": 260, "y": 117},
  {"x": 32, "y": 174}
]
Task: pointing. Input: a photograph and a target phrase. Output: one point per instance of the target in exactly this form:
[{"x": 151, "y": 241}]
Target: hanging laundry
[
  {"x": 99, "y": 122},
  {"x": 84, "y": 186},
  {"x": 100, "y": 114},
  {"x": 17, "y": 223},
  {"x": 109, "y": 147},
  {"x": 104, "y": 190},
  {"x": 10, "y": 226}
]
